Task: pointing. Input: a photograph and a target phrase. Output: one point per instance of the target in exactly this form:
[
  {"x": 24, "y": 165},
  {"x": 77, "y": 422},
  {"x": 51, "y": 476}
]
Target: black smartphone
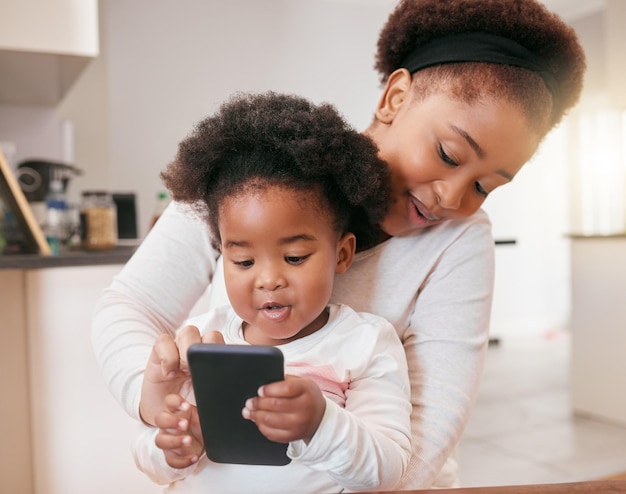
[{"x": 223, "y": 378}]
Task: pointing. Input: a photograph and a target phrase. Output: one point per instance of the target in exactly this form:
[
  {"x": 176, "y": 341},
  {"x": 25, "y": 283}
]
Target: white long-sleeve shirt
[
  {"x": 363, "y": 440},
  {"x": 434, "y": 286}
]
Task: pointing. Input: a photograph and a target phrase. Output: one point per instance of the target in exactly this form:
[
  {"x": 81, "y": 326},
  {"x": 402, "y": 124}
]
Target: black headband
[{"x": 478, "y": 47}]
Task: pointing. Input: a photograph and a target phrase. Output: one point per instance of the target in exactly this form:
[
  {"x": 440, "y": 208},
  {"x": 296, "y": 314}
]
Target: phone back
[{"x": 223, "y": 378}]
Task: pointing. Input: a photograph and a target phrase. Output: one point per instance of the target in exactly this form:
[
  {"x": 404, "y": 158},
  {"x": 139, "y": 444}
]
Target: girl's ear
[
  {"x": 394, "y": 95},
  {"x": 345, "y": 252}
]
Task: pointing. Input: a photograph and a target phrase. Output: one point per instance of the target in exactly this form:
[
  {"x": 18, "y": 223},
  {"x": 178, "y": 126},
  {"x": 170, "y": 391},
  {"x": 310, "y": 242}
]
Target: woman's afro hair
[
  {"x": 528, "y": 22},
  {"x": 285, "y": 140}
]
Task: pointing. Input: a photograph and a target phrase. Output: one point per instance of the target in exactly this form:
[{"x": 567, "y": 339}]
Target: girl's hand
[
  {"x": 179, "y": 433},
  {"x": 167, "y": 369},
  {"x": 287, "y": 410}
]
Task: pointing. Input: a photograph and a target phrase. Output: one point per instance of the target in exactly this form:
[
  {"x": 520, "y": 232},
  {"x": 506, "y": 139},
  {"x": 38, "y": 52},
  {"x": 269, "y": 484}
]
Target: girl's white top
[{"x": 364, "y": 439}]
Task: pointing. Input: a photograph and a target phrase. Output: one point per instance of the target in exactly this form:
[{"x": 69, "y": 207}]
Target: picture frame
[{"x": 33, "y": 237}]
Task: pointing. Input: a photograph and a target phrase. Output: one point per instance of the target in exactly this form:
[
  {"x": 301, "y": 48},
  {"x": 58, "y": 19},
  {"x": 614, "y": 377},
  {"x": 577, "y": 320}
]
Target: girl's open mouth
[{"x": 276, "y": 312}]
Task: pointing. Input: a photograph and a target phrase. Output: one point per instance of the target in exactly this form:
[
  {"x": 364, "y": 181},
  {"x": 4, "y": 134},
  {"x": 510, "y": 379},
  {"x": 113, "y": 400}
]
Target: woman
[{"x": 471, "y": 89}]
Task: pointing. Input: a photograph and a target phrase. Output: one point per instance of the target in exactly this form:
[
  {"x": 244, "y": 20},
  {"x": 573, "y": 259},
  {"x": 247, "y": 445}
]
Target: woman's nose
[{"x": 449, "y": 194}]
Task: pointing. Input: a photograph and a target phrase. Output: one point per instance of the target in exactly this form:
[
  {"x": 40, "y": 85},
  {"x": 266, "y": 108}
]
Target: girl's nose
[
  {"x": 449, "y": 194},
  {"x": 270, "y": 278}
]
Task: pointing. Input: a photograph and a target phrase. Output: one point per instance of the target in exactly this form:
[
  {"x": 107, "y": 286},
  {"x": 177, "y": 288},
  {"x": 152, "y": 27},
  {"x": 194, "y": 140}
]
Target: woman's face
[{"x": 446, "y": 156}]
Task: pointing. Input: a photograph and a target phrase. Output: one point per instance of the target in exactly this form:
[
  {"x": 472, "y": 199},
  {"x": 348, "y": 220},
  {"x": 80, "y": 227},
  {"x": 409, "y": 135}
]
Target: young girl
[
  {"x": 471, "y": 87},
  {"x": 283, "y": 184}
]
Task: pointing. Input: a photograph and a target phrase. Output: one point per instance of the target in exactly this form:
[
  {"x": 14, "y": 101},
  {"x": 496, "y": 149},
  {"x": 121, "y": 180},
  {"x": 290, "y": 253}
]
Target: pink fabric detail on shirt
[{"x": 324, "y": 376}]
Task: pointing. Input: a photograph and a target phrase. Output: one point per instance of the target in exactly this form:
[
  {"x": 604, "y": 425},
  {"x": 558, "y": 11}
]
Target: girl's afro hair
[{"x": 285, "y": 140}]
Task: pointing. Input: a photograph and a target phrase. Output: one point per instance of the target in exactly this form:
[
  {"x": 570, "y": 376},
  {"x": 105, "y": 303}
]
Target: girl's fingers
[
  {"x": 177, "y": 404},
  {"x": 177, "y": 415},
  {"x": 213, "y": 337},
  {"x": 165, "y": 354},
  {"x": 186, "y": 337},
  {"x": 170, "y": 442},
  {"x": 181, "y": 461},
  {"x": 171, "y": 423},
  {"x": 288, "y": 388}
]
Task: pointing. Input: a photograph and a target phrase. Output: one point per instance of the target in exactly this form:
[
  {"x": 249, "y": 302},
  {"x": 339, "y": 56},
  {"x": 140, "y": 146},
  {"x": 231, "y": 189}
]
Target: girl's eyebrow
[
  {"x": 282, "y": 241},
  {"x": 295, "y": 238},
  {"x": 235, "y": 243},
  {"x": 475, "y": 146}
]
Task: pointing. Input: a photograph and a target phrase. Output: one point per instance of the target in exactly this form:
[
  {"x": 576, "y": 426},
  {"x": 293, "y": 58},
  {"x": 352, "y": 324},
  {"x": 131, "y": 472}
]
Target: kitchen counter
[
  {"x": 595, "y": 487},
  {"x": 119, "y": 255},
  {"x": 598, "y": 320},
  {"x": 592, "y": 236}
]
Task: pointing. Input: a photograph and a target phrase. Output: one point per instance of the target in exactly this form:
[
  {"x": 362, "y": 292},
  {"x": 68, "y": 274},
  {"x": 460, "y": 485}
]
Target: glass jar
[{"x": 98, "y": 220}]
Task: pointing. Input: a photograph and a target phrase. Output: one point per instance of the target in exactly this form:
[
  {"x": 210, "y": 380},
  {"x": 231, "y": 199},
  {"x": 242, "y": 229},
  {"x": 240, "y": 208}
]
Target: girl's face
[
  {"x": 445, "y": 156},
  {"x": 281, "y": 254}
]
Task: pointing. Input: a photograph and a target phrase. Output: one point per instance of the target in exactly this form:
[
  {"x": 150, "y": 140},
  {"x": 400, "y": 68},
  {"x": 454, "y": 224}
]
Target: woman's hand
[
  {"x": 179, "y": 434},
  {"x": 167, "y": 369},
  {"x": 287, "y": 410}
]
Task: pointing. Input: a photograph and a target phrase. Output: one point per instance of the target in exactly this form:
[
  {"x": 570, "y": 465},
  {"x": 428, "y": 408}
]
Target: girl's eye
[
  {"x": 296, "y": 259},
  {"x": 244, "y": 264},
  {"x": 481, "y": 190},
  {"x": 445, "y": 158}
]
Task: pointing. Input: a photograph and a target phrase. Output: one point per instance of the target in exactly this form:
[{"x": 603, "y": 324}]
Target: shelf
[{"x": 119, "y": 255}]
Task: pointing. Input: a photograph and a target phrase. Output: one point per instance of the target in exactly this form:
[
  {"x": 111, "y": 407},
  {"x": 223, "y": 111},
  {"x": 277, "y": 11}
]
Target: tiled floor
[{"x": 522, "y": 430}]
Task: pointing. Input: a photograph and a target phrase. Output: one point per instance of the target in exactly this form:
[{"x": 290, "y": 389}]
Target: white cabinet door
[
  {"x": 50, "y": 26},
  {"x": 44, "y": 47},
  {"x": 81, "y": 436}
]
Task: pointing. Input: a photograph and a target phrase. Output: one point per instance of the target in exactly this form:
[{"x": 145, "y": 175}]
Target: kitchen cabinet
[
  {"x": 80, "y": 435},
  {"x": 15, "y": 461},
  {"x": 598, "y": 353},
  {"x": 65, "y": 430},
  {"x": 44, "y": 47}
]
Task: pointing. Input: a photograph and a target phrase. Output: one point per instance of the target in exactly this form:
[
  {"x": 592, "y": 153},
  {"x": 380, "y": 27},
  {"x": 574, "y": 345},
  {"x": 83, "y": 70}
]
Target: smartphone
[{"x": 223, "y": 378}]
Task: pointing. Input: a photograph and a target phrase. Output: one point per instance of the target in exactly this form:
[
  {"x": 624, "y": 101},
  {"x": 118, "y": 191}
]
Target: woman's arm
[
  {"x": 445, "y": 345},
  {"x": 152, "y": 295}
]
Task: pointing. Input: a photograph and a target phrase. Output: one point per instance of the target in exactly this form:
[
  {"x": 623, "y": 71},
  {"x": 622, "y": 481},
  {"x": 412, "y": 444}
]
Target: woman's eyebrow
[
  {"x": 478, "y": 150},
  {"x": 505, "y": 174},
  {"x": 475, "y": 146}
]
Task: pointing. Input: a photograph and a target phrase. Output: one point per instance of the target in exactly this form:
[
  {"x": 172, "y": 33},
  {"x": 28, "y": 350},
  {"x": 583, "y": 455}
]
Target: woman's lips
[{"x": 423, "y": 213}]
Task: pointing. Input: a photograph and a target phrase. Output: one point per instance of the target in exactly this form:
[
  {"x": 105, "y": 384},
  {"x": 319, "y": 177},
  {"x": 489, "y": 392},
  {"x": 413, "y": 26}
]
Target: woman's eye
[
  {"x": 296, "y": 259},
  {"x": 244, "y": 264},
  {"x": 481, "y": 190},
  {"x": 445, "y": 158}
]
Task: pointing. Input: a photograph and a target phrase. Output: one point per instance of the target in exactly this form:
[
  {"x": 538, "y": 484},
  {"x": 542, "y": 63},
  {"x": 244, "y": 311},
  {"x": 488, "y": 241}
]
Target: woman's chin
[{"x": 400, "y": 226}]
